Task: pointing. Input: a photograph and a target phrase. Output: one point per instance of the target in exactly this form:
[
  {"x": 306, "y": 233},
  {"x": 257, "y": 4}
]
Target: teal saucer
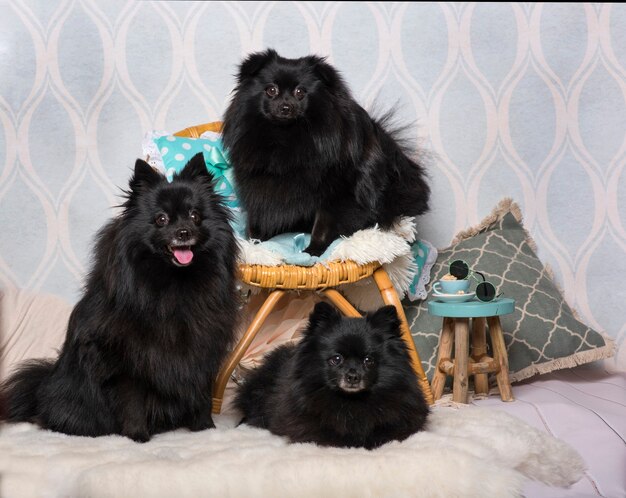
[
  {"x": 453, "y": 298},
  {"x": 473, "y": 308}
]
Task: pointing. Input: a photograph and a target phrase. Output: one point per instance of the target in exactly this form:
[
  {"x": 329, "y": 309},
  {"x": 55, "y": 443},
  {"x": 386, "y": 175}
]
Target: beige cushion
[{"x": 32, "y": 325}]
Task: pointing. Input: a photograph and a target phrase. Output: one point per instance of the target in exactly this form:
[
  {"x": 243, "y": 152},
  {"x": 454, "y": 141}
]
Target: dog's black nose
[
  {"x": 352, "y": 376},
  {"x": 286, "y": 109},
  {"x": 182, "y": 234}
]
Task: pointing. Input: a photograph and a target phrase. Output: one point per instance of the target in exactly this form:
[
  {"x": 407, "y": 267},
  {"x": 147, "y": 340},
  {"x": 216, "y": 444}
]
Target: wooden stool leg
[
  {"x": 499, "y": 354},
  {"x": 479, "y": 350},
  {"x": 461, "y": 360},
  {"x": 241, "y": 348},
  {"x": 341, "y": 302},
  {"x": 390, "y": 296},
  {"x": 445, "y": 353}
]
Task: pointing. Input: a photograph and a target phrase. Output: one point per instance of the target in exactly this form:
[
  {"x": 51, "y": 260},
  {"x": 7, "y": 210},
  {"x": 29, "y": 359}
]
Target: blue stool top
[{"x": 471, "y": 309}]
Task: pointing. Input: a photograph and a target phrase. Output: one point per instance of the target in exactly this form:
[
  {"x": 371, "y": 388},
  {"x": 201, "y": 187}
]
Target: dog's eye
[
  {"x": 368, "y": 362},
  {"x": 299, "y": 93},
  {"x": 162, "y": 220},
  {"x": 195, "y": 217},
  {"x": 335, "y": 360},
  {"x": 272, "y": 90}
]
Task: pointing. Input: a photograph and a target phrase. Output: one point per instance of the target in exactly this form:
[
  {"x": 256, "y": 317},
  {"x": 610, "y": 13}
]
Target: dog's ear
[
  {"x": 386, "y": 320},
  {"x": 144, "y": 176},
  {"x": 323, "y": 316},
  {"x": 254, "y": 63},
  {"x": 195, "y": 169},
  {"x": 325, "y": 72}
]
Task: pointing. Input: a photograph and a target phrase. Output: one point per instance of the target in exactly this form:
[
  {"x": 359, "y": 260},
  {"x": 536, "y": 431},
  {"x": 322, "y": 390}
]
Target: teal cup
[{"x": 450, "y": 286}]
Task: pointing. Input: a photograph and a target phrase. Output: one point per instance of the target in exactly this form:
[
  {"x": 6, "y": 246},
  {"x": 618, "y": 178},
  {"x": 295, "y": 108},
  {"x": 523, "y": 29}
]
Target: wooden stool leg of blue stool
[
  {"x": 479, "y": 351},
  {"x": 341, "y": 302},
  {"x": 461, "y": 360},
  {"x": 501, "y": 358},
  {"x": 390, "y": 296},
  {"x": 444, "y": 353}
]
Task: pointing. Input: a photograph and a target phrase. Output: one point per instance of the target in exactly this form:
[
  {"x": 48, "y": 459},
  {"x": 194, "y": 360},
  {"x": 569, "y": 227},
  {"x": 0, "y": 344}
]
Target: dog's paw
[
  {"x": 315, "y": 250},
  {"x": 135, "y": 430},
  {"x": 201, "y": 424},
  {"x": 139, "y": 436}
]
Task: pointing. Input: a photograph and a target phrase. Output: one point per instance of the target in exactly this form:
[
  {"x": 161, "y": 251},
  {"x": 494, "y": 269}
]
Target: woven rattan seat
[
  {"x": 317, "y": 277},
  {"x": 322, "y": 278}
]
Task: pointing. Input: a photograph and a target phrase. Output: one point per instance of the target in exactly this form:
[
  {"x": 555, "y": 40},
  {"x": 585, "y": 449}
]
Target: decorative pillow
[{"x": 543, "y": 334}]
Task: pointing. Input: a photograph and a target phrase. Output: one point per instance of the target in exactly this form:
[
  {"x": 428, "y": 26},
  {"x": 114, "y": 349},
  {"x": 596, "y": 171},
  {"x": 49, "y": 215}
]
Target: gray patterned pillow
[{"x": 543, "y": 334}]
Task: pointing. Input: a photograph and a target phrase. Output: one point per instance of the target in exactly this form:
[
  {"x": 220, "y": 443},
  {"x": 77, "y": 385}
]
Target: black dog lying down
[{"x": 348, "y": 382}]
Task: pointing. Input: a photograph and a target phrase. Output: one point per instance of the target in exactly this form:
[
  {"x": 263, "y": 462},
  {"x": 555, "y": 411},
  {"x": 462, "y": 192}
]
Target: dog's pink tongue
[{"x": 183, "y": 256}]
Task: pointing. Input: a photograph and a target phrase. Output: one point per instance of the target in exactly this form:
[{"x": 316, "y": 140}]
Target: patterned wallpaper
[{"x": 510, "y": 99}]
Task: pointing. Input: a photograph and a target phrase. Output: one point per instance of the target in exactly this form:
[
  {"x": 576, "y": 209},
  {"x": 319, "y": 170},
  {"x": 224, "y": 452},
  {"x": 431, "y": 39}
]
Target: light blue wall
[{"x": 521, "y": 100}]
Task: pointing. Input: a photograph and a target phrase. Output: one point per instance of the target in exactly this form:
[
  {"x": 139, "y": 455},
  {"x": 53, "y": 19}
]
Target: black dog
[
  {"x": 348, "y": 382},
  {"x": 146, "y": 340},
  {"x": 308, "y": 158}
]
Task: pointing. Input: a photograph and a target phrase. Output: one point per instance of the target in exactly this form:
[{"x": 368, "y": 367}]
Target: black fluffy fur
[
  {"x": 298, "y": 393},
  {"x": 145, "y": 342},
  {"x": 314, "y": 160}
]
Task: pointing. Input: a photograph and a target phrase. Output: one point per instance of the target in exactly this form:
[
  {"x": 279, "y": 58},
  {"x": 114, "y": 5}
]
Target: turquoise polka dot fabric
[{"x": 177, "y": 151}]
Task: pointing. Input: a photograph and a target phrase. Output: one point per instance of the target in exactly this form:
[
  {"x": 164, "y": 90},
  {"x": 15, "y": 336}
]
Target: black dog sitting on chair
[{"x": 308, "y": 158}]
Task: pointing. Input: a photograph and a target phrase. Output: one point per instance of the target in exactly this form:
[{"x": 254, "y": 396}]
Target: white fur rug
[{"x": 465, "y": 452}]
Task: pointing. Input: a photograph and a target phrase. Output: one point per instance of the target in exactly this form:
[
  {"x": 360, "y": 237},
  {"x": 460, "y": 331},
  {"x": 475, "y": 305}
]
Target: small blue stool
[{"x": 455, "y": 330}]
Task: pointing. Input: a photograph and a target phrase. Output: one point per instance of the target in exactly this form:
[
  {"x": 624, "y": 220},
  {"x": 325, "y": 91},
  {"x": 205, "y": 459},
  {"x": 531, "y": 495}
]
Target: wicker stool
[
  {"x": 322, "y": 278},
  {"x": 455, "y": 331}
]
